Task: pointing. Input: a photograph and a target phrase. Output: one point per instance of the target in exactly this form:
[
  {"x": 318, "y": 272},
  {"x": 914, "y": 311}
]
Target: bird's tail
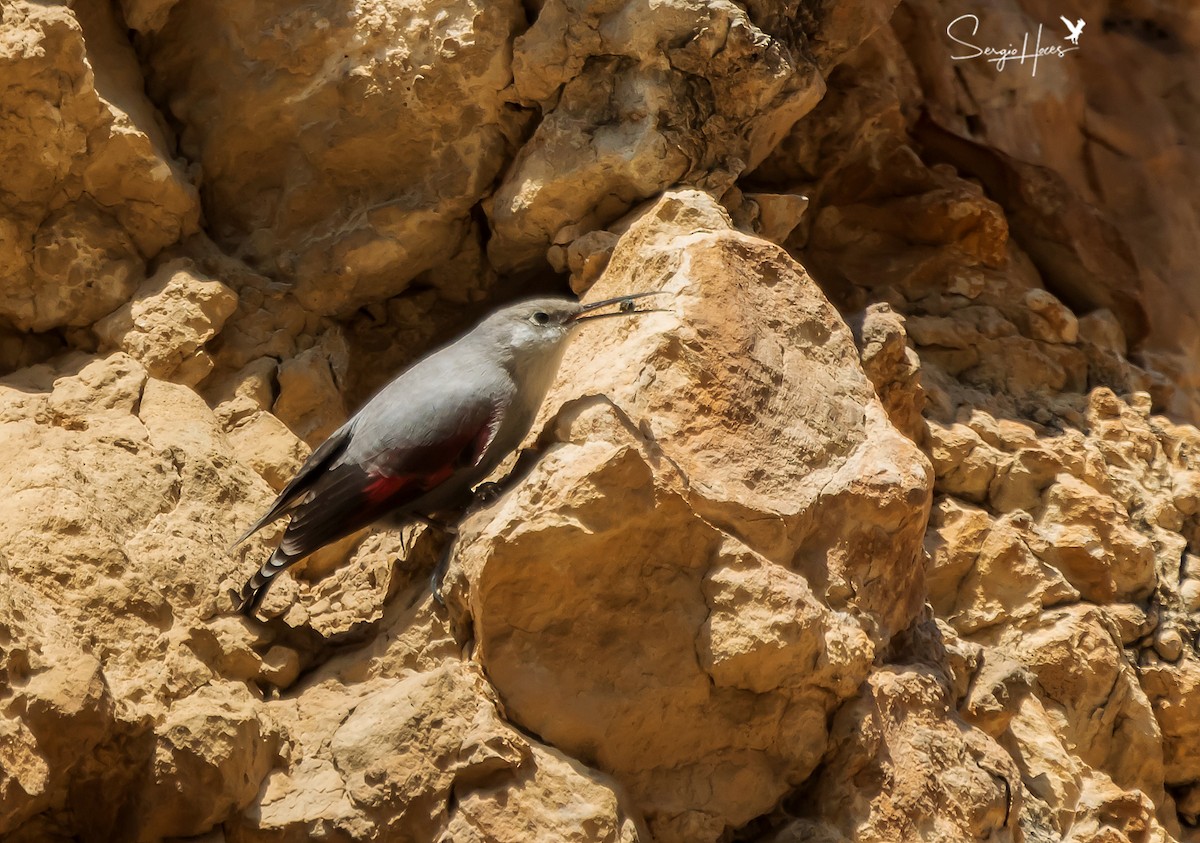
[{"x": 256, "y": 587}]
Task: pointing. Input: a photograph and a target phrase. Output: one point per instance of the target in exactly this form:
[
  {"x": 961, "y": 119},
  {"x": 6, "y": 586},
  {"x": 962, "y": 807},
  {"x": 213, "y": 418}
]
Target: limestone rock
[
  {"x": 1087, "y": 686},
  {"x": 1014, "y": 585},
  {"x": 83, "y": 265},
  {"x": 778, "y": 214},
  {"x": 425, "y": 756},
  {"x": 113, "y": 480},
  {"x": 172, "y": 315},
  {"x": 56, "y": 709},
  {"x": 219, "y": 744},
  {"x": 1083, "y": 534},
  {"x": 882, "y": 761},
  {"x": 894, "y": 369},
  {"x": 263, "y": 442},
  {"x": 1050, "y": 320},
  {"x": 1174, "y": 693},
  {"x": 552, "y": 798},
  {"x": 621, "y": 87},
  {"x": 397, "y": 742},
  {"x": 344, "y": 145},
  {"x": 885, "y": 527},
  {"x": 89, "y": 189},
  {"x": 982, "y": 571},
  {"x": 659, "y": 591},
  {"x": 310, "y": 400}
]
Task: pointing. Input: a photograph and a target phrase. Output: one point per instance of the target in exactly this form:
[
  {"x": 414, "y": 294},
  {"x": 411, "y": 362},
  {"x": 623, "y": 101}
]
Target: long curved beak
[{"x": 625, "y": 307}]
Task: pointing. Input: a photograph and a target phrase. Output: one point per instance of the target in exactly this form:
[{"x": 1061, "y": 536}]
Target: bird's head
[{"x": 540, "y": 327}]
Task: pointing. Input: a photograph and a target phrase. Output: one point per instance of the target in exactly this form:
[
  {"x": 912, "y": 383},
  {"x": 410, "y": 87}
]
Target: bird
[
  {"x": 418, "y": 447},
  {"x": 1074, "y": 29}
]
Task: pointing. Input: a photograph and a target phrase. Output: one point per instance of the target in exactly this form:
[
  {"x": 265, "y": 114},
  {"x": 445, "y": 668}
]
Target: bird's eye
[{"x": 541, "y": 317}]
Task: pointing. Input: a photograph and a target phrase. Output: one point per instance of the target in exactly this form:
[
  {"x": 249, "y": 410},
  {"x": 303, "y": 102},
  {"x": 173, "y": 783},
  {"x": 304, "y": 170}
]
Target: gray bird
[{"x": 421, "y": 444}]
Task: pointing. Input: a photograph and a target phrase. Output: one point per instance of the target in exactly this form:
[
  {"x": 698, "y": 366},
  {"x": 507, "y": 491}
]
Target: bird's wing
[
  {"x": 318, "y": 461},
  {"x": 354, "y": 493},
  {"x": 1070, "y": 25}
]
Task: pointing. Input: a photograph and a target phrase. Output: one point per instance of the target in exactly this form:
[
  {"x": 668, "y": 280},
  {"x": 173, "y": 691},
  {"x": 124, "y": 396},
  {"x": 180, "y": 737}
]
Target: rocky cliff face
[{"x": 886, "y": 528}]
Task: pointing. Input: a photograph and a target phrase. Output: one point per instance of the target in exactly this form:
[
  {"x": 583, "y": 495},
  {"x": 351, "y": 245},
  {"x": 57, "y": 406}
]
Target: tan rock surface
[
  {"x": 902, "y": 766},
  {"x": 89, "y": 189},
  {"x": 772, "y": 516},
  {"x": 168, "y": 321},
  {"x": 334, "y": 139},
  {"x": 113, "y": 480},
  {"x": 635, "y": 99},
  {"x": 56, "y": 709},
  {"x": 553, "y": 799},
  {"x": 886, "y": 528}
]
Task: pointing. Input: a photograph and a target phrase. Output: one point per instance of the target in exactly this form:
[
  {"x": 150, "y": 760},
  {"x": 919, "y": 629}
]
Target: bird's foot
[
  {"x": 439, "y": 574},
  {"x": 487, "y": 492},
  {"x": 440, "y": 526}
]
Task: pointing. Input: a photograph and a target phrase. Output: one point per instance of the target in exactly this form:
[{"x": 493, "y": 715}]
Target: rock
[
  {"x": 112, "y": 470},
  {"x": 57, "y": 708},
  {"x": 982, "y": 571},
  {"x": 996, "y": 693},
  {"x": 377, "y": 187},
  {"x": 309, "y": 400},
  {"x": 965, "y": 465},
  {"x": 1169, "y": 644},
  {"x": 1089, "y": 689},
  {"x": 1023, "y": 482},
  {"x": 1174, "y": 693},
  {"x": 19, "y": 350},
  {"x": 835, "y": 29},
  {"x": 216, "y": 747},
  {"x": 267, "y": 445},
  {"x": 385, "y": 758},
  {"x": 619, "y": 87},
  {"x": 560, "y": 588},
  {"x": 1103, "y": 330},
  {"x": 760, "y": 649},
  {"x": 172, "y": 315},
  {"x": 1050, "y": 320},
  {"x": 90, "y": 189},
  {"x": 1131, "y": 620},
  {"x": 778, "y": 214},
  {"x": 587, "y": 258},
  {"x": 1084, "y": 534},
  {"x": 863, "y": 797},
  {"x": 1107, "y": 811},
  {"x": 551, "y": 798},
  {"x": 387, "y": 746},
  {"x": 893, "y": 368},
  {"x": 887, "y": 529},
  {"x": 1189, "y": 591},
  {"x": 85, "y": 264}
]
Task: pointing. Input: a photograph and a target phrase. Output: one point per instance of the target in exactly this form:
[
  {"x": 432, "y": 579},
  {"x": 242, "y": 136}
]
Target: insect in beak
[{"x": 625, "y": 307}]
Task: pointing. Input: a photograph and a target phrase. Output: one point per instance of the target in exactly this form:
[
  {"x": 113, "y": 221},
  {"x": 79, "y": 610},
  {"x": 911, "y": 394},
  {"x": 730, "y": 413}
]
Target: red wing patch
[
  {"x": 352, "y": 495},
  {"x": 383, "y": 487},
  {"x": 426, "y": 468},
  {"x": 438, "y": 477}
]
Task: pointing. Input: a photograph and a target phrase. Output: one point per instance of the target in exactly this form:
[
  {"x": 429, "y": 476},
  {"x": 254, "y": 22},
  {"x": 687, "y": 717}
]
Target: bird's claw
[
  {"x": 487, "y": 492},
  {"x": 439, "y": 574}
]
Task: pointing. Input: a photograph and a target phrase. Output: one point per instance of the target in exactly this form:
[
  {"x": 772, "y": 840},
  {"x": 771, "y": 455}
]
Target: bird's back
[{"x": 429, "y": 403}]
